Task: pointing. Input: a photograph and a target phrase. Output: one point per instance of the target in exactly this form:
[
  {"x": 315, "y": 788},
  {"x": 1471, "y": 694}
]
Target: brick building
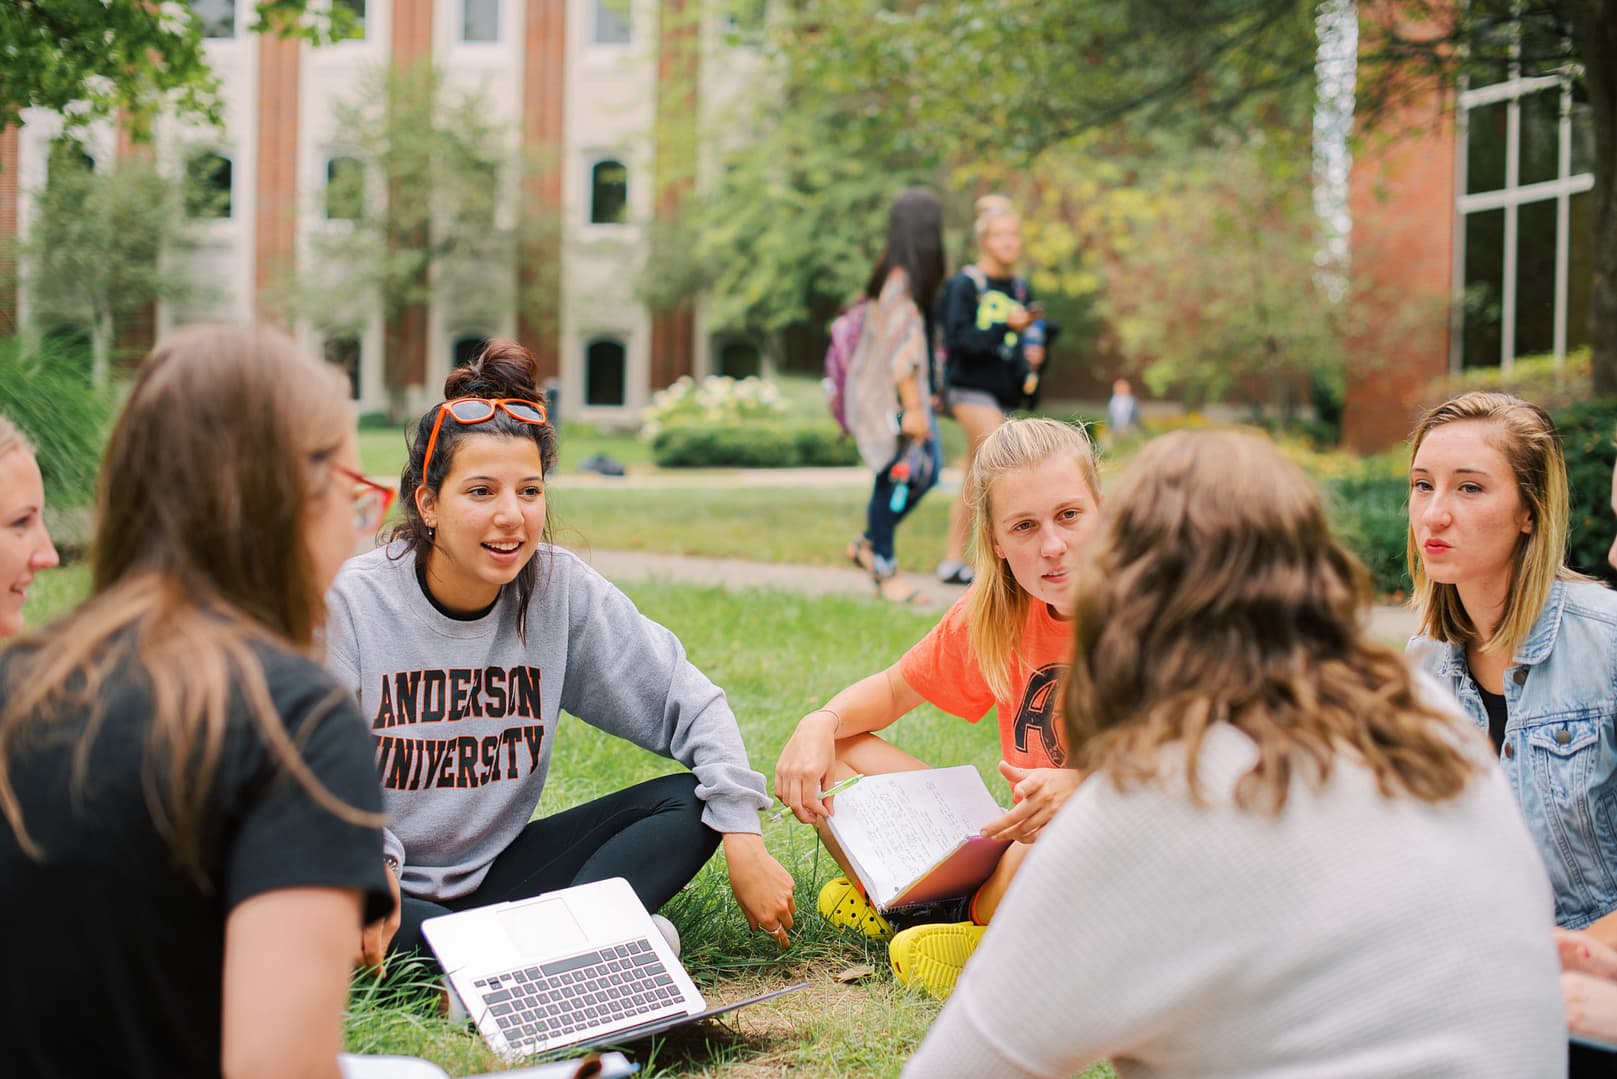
[
  {"x": 1478, "y": 201},
  {"x": 581, "y": 80}
]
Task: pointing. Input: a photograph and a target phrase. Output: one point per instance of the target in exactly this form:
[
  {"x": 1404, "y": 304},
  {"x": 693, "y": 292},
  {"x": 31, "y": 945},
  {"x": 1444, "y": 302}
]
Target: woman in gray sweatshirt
[{"x": 468, "y": 635}]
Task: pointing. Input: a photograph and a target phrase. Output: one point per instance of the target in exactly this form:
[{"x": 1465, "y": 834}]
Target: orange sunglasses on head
[{"x": 470, "y": 410}]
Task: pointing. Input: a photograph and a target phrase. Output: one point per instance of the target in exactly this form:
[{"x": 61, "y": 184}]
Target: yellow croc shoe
[
  {"x": 843, "y": 905},
  {"x": 931, "y": 957}
]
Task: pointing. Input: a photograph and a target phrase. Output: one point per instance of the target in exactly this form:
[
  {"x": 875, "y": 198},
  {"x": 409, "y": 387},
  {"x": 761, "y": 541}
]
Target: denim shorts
[{"x": 968, "y": 396}]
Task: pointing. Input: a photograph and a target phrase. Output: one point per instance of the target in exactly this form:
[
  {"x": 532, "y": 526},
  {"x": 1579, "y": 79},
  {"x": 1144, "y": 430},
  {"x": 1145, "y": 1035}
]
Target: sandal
[
  {"x": 932, "y": 957},
  {"x": 894, "y": 589},
  {"x": 845, "y": 906},
  {"x": 859, "y": 553}
]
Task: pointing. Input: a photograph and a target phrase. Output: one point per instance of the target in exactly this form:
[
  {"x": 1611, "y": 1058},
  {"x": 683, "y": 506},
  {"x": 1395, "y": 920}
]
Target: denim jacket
[{"x": 1560, "y": 748}]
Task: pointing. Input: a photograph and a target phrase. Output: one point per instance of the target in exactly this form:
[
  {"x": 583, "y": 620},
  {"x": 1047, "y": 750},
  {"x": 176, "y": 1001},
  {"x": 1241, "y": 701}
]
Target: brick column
[
  {"x": 10, "y": 159},
  {"x": 276, "y": 217},
  {"x": 406, "y": 336},
  {"x": 544, "y": 92},
  {"x": 1402, "y": 200},
  {"x": 679, "y": 69}
]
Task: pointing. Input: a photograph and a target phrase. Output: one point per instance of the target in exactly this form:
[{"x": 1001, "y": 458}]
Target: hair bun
[{"x": 503, "y": 369}]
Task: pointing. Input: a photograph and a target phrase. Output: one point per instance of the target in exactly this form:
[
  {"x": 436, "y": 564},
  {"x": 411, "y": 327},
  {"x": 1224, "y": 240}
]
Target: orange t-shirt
[{"x": 943, "y": 668}]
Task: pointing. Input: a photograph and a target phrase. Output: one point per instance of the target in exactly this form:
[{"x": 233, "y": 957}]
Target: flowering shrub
[{"x": 717, "y": 400}]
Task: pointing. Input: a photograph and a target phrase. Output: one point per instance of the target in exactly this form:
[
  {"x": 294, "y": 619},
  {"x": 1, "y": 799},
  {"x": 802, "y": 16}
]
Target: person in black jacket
[{"x": 984, "y": 312}]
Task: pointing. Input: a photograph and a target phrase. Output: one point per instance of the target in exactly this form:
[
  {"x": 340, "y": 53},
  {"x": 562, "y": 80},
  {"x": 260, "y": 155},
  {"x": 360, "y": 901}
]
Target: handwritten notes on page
[{"x": 903, "y": 828}]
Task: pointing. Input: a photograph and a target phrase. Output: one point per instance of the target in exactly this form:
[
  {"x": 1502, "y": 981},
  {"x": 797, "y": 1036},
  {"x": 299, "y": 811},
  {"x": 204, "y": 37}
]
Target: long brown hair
[
  {"x": 998, "y": 605},
  {"x": 1215, "y": 593},
  {"x": 199, "y": 555},
  {"x": 503, "y": 369},
  {"x": 1526, "y": 435}
]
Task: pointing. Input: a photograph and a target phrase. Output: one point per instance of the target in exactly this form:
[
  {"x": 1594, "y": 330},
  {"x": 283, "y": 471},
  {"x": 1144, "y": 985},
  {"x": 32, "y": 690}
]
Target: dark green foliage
[
  {"x": 44, "y": 392},
  {"x": 1587, "y": 430},
  {"x": 1370, "y": 513},
  {"x": 751, "y": 445}
]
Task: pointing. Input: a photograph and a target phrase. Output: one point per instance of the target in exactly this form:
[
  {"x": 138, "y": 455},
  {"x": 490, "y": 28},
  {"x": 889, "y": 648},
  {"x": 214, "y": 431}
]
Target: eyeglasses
[
  {"x": 470, "y": 410},
  {"x": 371, "y": 501}
]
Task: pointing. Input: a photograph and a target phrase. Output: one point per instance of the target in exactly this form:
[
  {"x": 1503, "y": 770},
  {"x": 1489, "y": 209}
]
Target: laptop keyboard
[{"x": 568, "y": 997}]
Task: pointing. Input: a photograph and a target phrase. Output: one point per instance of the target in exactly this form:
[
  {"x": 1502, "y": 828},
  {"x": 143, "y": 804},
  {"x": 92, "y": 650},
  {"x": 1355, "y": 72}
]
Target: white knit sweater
[{"x": 1352, "y": 936}]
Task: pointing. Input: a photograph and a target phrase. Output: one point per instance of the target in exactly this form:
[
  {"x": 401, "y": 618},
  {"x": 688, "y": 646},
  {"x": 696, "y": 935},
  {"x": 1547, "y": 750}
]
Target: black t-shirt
[
  {"x": 1494, "y": 703},
  {"x": 984, "y": 352},
  {"x": 113, "y": 955}
]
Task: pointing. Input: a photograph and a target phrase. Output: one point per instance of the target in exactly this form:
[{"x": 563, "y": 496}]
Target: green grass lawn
[
  {"x": 801, "y": 526},
  {"x": 778, "y": 655}
]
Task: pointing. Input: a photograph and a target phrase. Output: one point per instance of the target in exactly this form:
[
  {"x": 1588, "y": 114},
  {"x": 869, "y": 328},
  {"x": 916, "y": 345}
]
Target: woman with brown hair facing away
[
  {"x": 191, "y": 836},
  {"x": 25, "y": 545},
  {"x": 1289, "y": 856}
]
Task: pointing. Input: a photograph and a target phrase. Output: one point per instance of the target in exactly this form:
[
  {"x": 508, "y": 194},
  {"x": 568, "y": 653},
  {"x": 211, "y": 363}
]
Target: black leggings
[{"x": 651, "y": 834}]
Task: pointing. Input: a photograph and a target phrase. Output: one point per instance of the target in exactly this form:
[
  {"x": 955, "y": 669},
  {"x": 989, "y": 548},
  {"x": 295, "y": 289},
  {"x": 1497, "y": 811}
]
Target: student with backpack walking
[
  {"x": 985, "y": 312},
  {"x": 887, "y": 393}
]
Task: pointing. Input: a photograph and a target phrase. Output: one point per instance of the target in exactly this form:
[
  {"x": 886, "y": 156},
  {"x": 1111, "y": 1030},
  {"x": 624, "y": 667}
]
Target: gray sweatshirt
[{"x": 464, "y": 717}]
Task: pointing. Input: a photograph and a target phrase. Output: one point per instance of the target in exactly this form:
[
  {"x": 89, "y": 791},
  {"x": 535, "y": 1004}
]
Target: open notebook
[{"x": 914, "y": 837}]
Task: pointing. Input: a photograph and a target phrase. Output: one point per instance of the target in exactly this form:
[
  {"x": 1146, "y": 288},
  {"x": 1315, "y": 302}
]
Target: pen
[{"x": 835, "y": 788}]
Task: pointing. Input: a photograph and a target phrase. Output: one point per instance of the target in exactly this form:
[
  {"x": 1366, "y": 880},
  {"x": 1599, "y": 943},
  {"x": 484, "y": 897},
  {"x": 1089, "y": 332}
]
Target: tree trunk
[{"x": 1596, "y": 26}]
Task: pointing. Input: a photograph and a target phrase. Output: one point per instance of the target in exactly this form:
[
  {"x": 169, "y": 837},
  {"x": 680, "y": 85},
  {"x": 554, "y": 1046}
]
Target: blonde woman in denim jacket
[{"x": 1528, "y": 647}]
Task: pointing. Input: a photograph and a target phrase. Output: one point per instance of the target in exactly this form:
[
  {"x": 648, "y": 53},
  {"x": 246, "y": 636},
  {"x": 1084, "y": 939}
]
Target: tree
[
  {"x": 90, "y": 59},
  {"x": 427, "y": 216},
  {"x": 104, "y": 245},
  {"x": 1015, "y": 78}
]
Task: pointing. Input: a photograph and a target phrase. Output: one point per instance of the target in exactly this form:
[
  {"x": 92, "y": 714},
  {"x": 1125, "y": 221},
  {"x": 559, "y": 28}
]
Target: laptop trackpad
[{"x": 543, "y": 929}]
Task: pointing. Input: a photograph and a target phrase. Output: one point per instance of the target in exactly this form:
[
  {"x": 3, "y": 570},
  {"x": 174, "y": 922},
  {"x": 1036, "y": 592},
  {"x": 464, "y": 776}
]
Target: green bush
[
  {"x": 44, "y": 392},
  {"x": 1544, "y": 380},
  {"x": 1587, "y": 430},
  {"x": 751, "y": 445},
  {"x": 1369, "y": 511}
]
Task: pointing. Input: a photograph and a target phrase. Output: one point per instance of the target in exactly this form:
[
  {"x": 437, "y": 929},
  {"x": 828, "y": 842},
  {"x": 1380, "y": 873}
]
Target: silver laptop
[{"x": 580, "y": 966}]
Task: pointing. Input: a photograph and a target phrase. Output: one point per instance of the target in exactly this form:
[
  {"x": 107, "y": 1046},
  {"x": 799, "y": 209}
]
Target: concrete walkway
[{"x": 1387, "y": 623}]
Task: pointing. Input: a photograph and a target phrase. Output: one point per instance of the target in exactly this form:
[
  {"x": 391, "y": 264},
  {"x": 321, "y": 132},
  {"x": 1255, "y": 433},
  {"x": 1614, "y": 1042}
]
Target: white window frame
[{"x": 1511, "y": 198}]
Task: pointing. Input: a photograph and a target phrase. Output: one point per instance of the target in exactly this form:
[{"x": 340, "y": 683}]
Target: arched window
[
  {"x": 345, "y": 188},
  {"x": 605, "y": 372},
  {"x": 208, "y": 185},
  {"x": 467, "y": 347},
  {"x": 344, "y": 353},
  {"x": 739, "y": 359},
  {"x": 609, "y": 192},
  {"x": 612, "y": 25}
]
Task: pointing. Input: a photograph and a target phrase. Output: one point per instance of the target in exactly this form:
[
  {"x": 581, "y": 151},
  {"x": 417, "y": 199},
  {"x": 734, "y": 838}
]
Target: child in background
[
  {"x": 1034, "y": 492},
  {"x": 1122, "y": 412}
]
